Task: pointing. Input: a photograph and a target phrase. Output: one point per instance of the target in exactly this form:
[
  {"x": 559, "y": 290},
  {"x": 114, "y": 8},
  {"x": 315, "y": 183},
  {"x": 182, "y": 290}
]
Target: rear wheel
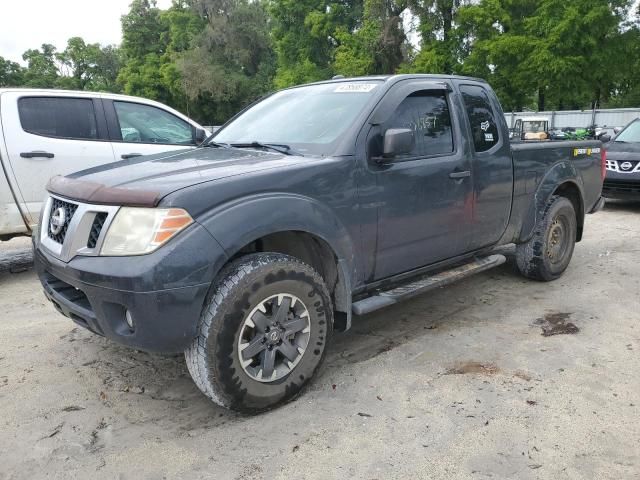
[
  {"x": 262, "y": 334},
  {"x": 547, "y": 254}
]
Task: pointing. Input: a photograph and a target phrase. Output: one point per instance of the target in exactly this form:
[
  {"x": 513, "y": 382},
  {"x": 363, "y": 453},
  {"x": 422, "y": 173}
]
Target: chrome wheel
[{"x": 274, "y": 337}]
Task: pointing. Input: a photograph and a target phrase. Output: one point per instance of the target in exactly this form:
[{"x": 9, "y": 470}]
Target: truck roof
[
  {"x": 401, "y": 76},
  {"x": 88, "y": 93}
]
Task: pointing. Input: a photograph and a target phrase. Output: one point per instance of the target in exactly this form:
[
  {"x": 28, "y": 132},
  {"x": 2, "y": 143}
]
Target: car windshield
[
  {"x": 631, "y": 134},
  {"x": 309, "y": 119}
]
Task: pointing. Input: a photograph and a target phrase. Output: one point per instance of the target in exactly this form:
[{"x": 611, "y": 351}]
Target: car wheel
[
  {"x": 547, "y": 254},
  {"x": 262, "y": 334}
]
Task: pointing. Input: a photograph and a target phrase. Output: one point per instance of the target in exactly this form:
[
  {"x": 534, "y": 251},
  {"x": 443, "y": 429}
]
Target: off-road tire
[
  {"x": 534, "y": 258},
  {"x": 213, "y": 357}
]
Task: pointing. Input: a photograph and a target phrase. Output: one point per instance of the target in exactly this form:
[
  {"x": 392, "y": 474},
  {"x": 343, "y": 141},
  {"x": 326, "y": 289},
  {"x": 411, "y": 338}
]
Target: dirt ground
[{"x": 458, "y": 383}]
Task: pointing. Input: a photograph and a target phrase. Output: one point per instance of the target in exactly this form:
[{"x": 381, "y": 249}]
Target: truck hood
[{"x": 145, "y": 180}]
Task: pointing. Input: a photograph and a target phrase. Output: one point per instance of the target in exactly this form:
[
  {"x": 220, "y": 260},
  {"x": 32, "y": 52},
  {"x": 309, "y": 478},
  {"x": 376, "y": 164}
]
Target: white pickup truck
[{"x": 44, "y": 133}]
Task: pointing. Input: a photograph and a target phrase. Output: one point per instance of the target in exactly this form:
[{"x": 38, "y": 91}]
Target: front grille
[
  {"x": 96, "y": 228},
  {"x": 57, "y": 232},
  {"x": 623, "y": 166}
]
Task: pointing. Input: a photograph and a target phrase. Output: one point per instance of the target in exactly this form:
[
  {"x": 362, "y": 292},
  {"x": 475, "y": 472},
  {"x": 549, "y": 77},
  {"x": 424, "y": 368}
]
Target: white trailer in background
[{"x": 614, "y": 117}]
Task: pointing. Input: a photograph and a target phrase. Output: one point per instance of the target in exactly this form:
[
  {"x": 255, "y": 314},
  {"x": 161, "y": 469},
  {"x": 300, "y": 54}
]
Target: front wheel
[
  {"x": 547, "y": 254},
  {"x": 262, "y": 333}
]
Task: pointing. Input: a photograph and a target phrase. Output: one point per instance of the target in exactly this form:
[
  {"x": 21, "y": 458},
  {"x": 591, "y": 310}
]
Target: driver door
[
  {"x": 137, "y": 129},
  {"x": 423, "y": 197}
]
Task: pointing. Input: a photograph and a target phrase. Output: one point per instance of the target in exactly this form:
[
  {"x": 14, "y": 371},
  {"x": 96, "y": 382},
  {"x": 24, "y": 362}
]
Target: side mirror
[
  {"x": 398, "y": 141},
  {"x": 199, "y": 136},
  {"x": 605, "y": 138}
]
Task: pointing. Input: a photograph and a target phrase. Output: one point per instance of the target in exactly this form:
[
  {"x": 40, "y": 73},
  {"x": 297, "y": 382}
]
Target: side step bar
[{"x": 395, "y": 295}]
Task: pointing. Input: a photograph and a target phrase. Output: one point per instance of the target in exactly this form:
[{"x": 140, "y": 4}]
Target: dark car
[
  {"x": 317, "y": 202},
  {"x": 622, "y": 179}
]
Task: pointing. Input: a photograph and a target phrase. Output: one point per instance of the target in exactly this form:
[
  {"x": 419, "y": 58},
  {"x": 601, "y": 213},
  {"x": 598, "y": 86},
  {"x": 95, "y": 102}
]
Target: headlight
[{"x": 136, "y": 231}]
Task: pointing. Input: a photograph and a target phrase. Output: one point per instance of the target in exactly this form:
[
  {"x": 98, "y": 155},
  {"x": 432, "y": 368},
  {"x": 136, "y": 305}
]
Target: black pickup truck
[{"x": 315, "y": 203}]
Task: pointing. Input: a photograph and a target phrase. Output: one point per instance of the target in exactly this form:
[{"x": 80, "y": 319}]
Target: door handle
[
  {"x": 37, "y": 154},
  {"x": 459, "y": 175},
  {"x": 125, "y": 156}
]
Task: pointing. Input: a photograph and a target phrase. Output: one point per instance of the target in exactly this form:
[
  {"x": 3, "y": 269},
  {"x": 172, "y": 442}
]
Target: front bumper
[
  {"x": 164, "y": 292},
  {"x": 622, "y": 185}
]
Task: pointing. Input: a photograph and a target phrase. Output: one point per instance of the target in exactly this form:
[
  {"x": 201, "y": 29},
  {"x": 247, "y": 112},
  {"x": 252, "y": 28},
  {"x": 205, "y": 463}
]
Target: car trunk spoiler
[{"x": 92, "y": 192}]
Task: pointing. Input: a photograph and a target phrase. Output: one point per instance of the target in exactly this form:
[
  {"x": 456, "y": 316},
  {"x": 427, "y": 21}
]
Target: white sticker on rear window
[{"x": 355, "y": 87}]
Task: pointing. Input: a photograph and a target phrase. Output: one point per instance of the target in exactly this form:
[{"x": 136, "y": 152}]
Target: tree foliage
[
  {"x": 306, "y": 34},
  {"x": 11, "y": 73},
  {"x": 79, "y": 66},
  {"x": 559, "y": 53},
  {"x": 378, "y": 45},
  {"x": 230, "y": 62}
]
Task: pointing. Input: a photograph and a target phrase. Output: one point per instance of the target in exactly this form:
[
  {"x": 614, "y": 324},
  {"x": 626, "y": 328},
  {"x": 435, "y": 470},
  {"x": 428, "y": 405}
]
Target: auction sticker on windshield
[{"x": 355, "y": 87}]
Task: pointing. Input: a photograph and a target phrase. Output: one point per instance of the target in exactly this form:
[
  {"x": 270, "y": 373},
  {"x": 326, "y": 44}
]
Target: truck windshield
[
  {"x": 631, "y": 134},
  {"x": 309, "y": 119}
]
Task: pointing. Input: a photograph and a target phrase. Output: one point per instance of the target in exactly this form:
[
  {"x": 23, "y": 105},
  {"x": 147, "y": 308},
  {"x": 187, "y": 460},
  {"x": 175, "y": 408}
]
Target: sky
[{"x": 26, "y": 24}]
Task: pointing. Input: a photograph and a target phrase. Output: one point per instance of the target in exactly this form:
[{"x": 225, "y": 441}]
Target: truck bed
[{"x": 535, "y": 162}]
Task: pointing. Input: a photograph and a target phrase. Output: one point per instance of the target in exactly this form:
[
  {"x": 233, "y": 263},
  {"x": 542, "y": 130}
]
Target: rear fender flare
[{"x": 561, "y": 173}]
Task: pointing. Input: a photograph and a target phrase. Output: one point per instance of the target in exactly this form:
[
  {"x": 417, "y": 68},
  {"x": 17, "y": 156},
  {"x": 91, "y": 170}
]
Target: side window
[
  {"x": 426, "y": 112},
  {"x": 146, "y": 124},
  {"x": 60, "y": 117},
  {"x": 482, "y": 117}
]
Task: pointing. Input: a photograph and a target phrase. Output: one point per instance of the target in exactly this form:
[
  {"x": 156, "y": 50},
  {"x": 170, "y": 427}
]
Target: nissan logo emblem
[
  {"x": 626, "y": 166},
  {"x": 58, "y": 219}
]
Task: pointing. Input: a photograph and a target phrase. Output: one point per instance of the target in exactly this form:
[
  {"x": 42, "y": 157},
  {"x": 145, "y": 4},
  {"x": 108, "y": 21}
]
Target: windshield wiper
[
  {"x": 278, "y": 147},
  {"x": 216, "y": 145}
]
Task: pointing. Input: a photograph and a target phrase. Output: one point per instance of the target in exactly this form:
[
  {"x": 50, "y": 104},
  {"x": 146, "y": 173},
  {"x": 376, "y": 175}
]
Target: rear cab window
[
  {"x": 59, "y": 117},
  {"x": 482, "y": 117}
]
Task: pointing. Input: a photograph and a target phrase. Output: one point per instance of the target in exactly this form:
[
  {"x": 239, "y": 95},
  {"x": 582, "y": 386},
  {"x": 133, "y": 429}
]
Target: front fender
[
  {"x": 560, "y": 173},
  {"x": 237, "y": 223}
]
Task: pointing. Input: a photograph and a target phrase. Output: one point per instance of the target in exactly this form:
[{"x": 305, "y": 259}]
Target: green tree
[
  {"x": 545, "y": 53},
  {"x": 577, "y": 55},
  {"x": 42, "y": 70},
  {"x": 144, "y": 41},
  {"x": 231, "y": 62},
  {"x": 107, "y": 67},
  {"x": 11, "y": 73},
  {"x": 306, "y": 34},
  {"x": 379, "y": 45},
  {"x": 494, "y": 44},
  {"x": 153, "y": 42},
  {"x": 626, "y": 93},
  {"x": 85, "y": 66},
  {"x": 439, "y": 40}
]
